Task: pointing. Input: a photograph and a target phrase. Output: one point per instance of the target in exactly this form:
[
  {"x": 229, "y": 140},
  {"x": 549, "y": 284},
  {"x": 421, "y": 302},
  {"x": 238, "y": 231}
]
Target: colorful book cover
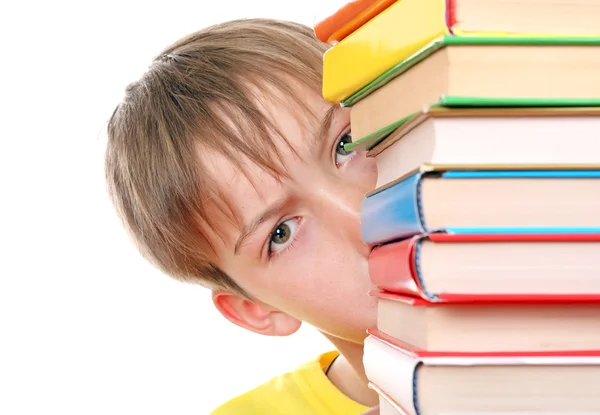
[
  {"x": 395, "y": 211},
  {"x": 396, "y": 34},
  {"x": 395, "y": 269},
  {"x": 397, "y": 67}
]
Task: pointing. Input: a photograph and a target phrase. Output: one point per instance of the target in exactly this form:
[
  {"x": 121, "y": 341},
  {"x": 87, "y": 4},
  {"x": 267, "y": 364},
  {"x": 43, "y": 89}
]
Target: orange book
[{"x": 348, "y": 18}]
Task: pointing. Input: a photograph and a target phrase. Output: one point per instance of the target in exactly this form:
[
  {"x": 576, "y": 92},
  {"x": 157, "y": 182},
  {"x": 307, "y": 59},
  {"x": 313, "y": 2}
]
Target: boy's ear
[{"x": 254, "y": 315}]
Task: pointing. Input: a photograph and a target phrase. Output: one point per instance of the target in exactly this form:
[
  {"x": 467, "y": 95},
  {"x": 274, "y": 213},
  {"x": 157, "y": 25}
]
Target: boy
[{"x": 228, "y": 169}]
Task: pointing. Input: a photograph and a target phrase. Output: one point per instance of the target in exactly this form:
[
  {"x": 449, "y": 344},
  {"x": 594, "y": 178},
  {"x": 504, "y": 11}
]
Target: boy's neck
[{"x": 347, "y": 372}]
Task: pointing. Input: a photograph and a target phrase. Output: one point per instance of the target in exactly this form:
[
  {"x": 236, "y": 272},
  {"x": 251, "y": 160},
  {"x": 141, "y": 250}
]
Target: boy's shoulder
[
  {"x": 304, "y": 391},
  {"x": 265, "y": 398}
]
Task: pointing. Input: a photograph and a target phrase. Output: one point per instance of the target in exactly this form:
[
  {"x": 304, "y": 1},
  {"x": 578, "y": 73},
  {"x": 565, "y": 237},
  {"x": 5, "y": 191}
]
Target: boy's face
[{"x": 301, "y": 254}]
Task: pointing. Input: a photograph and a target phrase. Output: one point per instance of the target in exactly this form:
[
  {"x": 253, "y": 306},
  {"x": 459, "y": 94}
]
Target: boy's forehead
[
  {"x": 240, "y": 196},
  {"x": 246, "y": 182},
  {"x": 304, "y": 109},
  {"x": 295, "y": 124}
]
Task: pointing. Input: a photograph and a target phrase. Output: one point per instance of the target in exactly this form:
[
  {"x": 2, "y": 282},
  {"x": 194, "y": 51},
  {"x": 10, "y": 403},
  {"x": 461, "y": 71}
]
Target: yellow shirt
[{"x": 305, "y": 391}]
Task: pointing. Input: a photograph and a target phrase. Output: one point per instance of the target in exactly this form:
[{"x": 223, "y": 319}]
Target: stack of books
[{"x": 483, "y": 117}]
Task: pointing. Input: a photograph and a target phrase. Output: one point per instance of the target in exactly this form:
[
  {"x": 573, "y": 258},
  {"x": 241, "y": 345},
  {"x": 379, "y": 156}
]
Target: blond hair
[{"x": 199, "y": 93}]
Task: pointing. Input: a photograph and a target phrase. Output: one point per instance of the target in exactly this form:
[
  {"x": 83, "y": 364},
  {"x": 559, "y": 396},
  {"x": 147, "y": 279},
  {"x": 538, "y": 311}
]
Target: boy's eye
[
  {"x": 282, "y": 235},
  {"x": 341, "y": 154}
]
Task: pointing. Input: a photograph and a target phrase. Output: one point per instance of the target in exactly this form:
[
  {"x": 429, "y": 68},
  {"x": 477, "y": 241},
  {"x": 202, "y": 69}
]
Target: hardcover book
[
  {"x": 422, "y": 383},
  {"x": 483, "y": 201}
]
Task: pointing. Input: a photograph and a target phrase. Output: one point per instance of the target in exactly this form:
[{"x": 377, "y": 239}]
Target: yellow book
[{"x": 407, "y": 26}]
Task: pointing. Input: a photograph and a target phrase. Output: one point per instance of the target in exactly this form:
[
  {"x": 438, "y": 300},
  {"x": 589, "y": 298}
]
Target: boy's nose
[{"x": 338, "y": 209}]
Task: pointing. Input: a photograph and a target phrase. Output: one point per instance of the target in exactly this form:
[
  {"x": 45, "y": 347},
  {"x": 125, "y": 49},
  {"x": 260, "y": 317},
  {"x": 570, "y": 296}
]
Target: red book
[
  {"x": 418, "y": 382},
  {"x": 490, "y": 267}
]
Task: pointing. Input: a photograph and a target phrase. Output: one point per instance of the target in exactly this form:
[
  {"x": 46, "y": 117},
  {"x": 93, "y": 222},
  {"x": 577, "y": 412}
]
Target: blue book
[{"x": 487, "y": 201}]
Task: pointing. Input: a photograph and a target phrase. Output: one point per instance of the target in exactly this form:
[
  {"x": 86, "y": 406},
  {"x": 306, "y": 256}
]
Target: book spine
[
  {"x": 392, "y": 268},
  {"x": 393, "y": 372},
  {"x": 392, "y": 213}
]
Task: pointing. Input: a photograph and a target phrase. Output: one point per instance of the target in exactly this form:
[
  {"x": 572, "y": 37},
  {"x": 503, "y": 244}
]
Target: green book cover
[
  {"x": 370, "y": 141},
  {"x": 446, "y": 40}
]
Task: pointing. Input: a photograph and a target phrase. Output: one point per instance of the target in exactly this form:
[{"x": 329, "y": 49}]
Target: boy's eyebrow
[
  {"x": 249, "y": 229},
  {"x": 326, "y": 123}
]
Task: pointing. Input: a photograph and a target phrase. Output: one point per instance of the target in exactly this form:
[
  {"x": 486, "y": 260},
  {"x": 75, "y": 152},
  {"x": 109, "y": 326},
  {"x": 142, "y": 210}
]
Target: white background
[{"x": 86, "y": 326}]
